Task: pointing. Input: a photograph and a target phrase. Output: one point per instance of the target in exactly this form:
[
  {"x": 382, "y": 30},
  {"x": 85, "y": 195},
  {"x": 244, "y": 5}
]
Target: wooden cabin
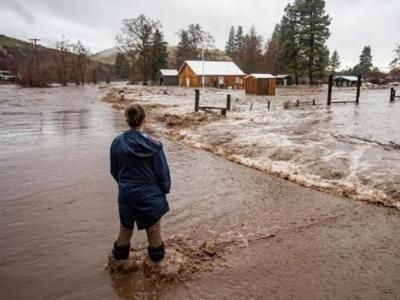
[
  {"x": 218, "y": 74},
  {"x": 284, "y": 80},
  {"x": 167, "y": 77},
  {"x": 346, "y": 81},
  {"x": 260, "y": 84}
]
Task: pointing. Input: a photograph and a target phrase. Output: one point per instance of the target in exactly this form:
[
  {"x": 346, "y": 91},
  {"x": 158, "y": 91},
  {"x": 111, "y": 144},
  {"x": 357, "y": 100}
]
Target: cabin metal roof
[
  {"x": 213, "y": 68},
  {"x": 261, "y": 76},
  {"x": 282, "y": 76},
  {"x": 348, "y": 78},
  {"x": 169, "y": 72}
]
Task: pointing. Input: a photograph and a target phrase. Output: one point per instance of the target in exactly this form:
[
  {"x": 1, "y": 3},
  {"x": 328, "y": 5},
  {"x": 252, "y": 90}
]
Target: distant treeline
[
  {"x": 296, "y": 47},
  {"x": 38, "y": 66}
]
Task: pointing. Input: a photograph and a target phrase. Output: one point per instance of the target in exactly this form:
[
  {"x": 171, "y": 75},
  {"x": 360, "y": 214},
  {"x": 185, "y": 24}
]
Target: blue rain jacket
[{"x": 139, "y": 166}]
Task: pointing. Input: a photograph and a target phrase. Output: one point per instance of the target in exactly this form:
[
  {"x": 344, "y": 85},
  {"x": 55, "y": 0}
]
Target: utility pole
[
  {"x": 35, "y": 42},
  {"x": 202, "y": 59}
]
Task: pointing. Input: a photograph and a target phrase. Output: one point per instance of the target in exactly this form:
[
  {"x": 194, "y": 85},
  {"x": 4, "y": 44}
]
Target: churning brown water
[{"x": 240, "y": 233}]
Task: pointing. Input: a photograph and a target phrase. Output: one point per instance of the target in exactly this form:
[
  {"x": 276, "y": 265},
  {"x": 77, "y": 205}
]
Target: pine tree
[
  {"x": 185, "y": 50},
  {"x": 395, "y": 63},
  {"x": 240, "y": 41},
  {"x": 191, "y": 42},
  {"x": 159, "y": 53},
  {"x": 365, "y": 65},
  {"x": 313, "y": 32},
  {"x": 230, "y": 47},
  {"x": 271, "y": 62},
  {"x": 118, "y": 63},
  {"x": 121, "y": 66},
  {"x": 289, "y": 43},
  {"x": 251, "y": 52},
  {"x": 334, "y": 62}
]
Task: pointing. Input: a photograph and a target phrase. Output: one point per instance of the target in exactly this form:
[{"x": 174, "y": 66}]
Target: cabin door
[
  {"x": 221, "y": 81},
  {"x": 187, "y": 82}
]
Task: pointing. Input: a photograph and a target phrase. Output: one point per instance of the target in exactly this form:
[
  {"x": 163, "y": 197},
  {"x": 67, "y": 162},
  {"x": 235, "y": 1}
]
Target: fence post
[
  {"x": 330, "y": 83},
  {"x": 358, "y": 89},
  {"x": 392, "y": 94},
  {"x": 196, "y": 100},
  {"x": 223, "y": 112},
  {"x": 269, "y": 104},
  {"x": 313, "y": 102},
  {"x": 228, "y": 102}
]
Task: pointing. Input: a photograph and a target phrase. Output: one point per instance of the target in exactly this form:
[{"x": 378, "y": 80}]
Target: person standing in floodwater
[{"x": 139, "y": 166}]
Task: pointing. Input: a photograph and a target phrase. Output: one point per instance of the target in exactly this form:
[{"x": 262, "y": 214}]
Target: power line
[{"x": 35, "y": 40}]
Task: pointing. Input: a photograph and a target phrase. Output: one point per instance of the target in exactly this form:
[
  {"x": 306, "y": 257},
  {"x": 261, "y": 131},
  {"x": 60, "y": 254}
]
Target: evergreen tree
[
  {"x": 289, "y": 43},
  {"x": 395, "y": 63},
  {"x": 251, "y": 52},
  {"x": 334, "y": 62},
  {"x": 365, "y": 65},
  {"x": 239, "y": 38},
  {"x": 240, "y": 41},
  {"x": 159, "y": 53},
  {"x": 184, "y": 49},
  {"x": 230, "y": 47},
  {"x": 271, "y": 62},
  {"x": 191, "y": 43},
  {"x": 121, "y": 66},
  {"x": 313, "y": 32},
  {"x": 118, "y": 63}
]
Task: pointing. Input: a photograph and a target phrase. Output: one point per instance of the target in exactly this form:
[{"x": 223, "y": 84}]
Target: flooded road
[{"x": 58, "y": 217}]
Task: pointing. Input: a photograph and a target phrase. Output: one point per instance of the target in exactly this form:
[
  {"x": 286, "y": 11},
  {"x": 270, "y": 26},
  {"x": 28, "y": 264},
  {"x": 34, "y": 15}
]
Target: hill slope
[
  {"x": 40, "y": 65},
  {"x": 108, "y": 56}
]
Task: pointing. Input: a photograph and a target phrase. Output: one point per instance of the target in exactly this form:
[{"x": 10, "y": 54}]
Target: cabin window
[{"x": 237, "y": 79}]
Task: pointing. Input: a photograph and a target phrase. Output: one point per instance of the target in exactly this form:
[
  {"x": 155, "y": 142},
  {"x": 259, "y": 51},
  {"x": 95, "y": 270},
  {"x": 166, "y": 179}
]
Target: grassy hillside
[
  {"x": 21, "y": 57},
  {"x": 108, "y": 56}
]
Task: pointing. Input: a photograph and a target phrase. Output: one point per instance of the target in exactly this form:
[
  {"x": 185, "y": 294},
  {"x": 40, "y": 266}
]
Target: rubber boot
[
  {"x": 156, "y": 254},
  {"x": 121, "y": 252}
]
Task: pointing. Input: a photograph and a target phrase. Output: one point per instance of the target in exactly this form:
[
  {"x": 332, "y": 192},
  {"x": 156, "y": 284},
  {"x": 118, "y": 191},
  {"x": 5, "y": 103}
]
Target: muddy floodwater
[
  {"x": 345, "y": 149},
  {"x": 238, "y": 233}
]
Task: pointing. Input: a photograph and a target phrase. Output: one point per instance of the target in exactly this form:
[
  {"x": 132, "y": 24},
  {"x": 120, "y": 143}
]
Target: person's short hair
[{"x": 134, "y": 115}]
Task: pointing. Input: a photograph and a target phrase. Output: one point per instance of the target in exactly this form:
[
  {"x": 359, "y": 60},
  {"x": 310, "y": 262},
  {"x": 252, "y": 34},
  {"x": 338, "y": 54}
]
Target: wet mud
[{"x": 232, "y": 232}]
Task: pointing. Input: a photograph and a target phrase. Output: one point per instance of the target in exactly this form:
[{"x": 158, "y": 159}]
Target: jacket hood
[{"x": 136, "y": 143}]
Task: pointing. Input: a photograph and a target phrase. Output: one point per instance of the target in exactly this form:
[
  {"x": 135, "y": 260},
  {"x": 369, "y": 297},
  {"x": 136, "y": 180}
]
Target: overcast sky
[{"x": 355, "y": 23}]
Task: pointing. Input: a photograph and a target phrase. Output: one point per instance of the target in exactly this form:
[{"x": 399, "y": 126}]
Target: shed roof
[
  {"x": 282, "y": 76},
  {"x": 349, "y": 78},
  {"x": 261, "y": 76},
  {"x": 169, "y": 72},
  {"x": 214, "y": 68}
]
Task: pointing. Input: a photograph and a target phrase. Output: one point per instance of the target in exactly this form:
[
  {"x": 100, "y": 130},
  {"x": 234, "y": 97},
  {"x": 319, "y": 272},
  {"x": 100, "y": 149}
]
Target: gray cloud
[{"x": 354, "y": 23}]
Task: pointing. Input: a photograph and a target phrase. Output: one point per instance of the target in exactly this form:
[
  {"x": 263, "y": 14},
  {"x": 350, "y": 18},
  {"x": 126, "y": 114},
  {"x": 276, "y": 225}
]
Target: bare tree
[
  {"x": 80, "y": 60},
  {"x": 135, "y": 40},
  {"x": 63, "y": 57}
]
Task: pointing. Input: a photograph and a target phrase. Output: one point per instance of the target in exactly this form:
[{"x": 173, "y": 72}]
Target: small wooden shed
[
  {"x": 167, "y": 77},
  {"x": 284, "y": 80},
  {"x": 260, "y": 84},
  {"x": 346, "y": 81}
]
